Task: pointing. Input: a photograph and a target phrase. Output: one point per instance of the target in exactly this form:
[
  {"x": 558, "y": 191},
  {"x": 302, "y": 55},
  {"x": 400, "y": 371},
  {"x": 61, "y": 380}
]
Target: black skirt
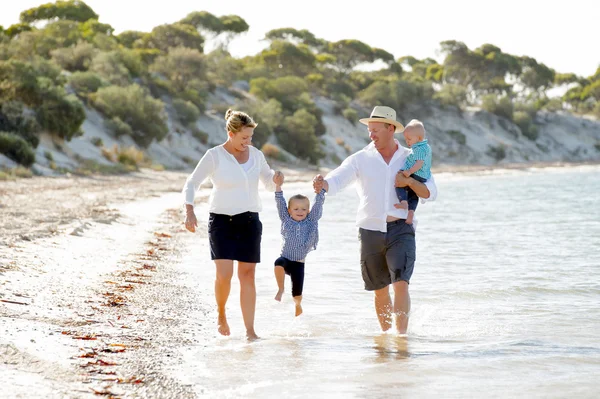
[{"x": 235, "y": 237}]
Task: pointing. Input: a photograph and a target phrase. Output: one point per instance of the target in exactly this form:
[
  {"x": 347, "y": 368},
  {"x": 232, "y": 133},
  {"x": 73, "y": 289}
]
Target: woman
[{"x": 234, "y": 227}]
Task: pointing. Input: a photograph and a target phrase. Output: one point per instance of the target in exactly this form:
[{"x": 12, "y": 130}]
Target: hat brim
[{"x": 399, "y": 126}]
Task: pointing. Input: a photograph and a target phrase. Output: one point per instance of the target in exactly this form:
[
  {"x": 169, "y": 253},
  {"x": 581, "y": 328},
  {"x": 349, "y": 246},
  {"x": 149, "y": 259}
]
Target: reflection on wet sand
[{"x": 390, "y": 347}]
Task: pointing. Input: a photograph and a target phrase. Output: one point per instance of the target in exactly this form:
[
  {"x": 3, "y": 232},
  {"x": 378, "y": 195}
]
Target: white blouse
[
  {"x": 375, "y": 180},
  {"x": 235, "y": 190}
]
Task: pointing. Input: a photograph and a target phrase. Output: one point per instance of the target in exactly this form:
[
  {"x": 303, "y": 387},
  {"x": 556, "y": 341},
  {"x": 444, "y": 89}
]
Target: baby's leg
[
  {"x": 297, "y": 275},
  {"x": 402, "y": 194},
  {"x": 413, "y": 201},
  {"x": 279, "y": 277}
]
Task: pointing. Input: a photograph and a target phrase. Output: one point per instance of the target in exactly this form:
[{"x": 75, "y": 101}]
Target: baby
[
  {"x": 299, "y": 230},
  {"x": 417, "y": 166}
]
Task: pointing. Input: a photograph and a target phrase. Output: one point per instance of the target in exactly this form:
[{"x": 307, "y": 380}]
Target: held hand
[
  {"x": 401, "y": 180},
  {"x": 190, "y": 221},
  {"x": 278, "y": 178},
  {"x": 406, "y": 173},
  {"x": 319, "y": 183}
]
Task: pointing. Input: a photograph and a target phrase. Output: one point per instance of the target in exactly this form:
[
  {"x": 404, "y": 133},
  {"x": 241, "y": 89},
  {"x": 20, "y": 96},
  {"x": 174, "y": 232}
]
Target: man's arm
[
  {"x": 427, "y": 190},
  {"x": 337, "y": 179}
]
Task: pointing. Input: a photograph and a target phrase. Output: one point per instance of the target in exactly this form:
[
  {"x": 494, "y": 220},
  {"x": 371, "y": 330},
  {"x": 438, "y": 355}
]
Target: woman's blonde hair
[{"x": 237, "y": 120}]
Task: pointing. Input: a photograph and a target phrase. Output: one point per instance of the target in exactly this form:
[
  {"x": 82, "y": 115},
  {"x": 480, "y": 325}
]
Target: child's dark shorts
[{"x": 296, "y": 271}]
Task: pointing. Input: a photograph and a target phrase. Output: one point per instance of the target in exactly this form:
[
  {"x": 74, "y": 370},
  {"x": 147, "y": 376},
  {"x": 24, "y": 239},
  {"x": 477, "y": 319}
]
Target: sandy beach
[{"x": 85, "y": 265}]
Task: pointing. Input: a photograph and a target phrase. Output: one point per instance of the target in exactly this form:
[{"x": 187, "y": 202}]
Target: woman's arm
[
  {"x": 203, "y": 170},
  {"x": 266, "y": 174}
]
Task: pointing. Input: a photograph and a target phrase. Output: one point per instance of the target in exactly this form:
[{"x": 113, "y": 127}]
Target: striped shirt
[
  {"x": 299, "y": 238},
  {"x": 421, "y": 151}
]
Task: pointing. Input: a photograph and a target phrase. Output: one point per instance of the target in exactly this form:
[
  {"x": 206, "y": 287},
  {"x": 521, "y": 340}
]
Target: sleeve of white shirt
[
  {"x": 433, "y": 192},
  {"x": 203, "y": 170},
  {"x": 342, "y": 176},
  {"x": 266, "y": 173}
]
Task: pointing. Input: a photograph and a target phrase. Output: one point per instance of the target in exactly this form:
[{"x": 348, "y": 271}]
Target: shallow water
[{"x": 505, "y": 300}]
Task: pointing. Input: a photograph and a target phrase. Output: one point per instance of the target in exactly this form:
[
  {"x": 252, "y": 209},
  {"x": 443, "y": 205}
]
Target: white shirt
[
  {"x": 235, "y": 190},
  {"x": 375, "y": 185}
]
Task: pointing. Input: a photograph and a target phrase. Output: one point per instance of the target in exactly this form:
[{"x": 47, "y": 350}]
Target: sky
[{"x": 561, "y": 35}]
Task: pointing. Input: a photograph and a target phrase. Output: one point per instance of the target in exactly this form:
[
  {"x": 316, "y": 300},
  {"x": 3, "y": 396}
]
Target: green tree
[
  {"x": 297, "y": 37},
  {"x": 17, "y": 29},
  {"x": 350, "y": 53},
  {"x": 129, "y": 37},
  {"x": 165, "y": 37},
  {"x": 74, "y": 10},
  {"x": 535, "y": 76},
  {"x": 181, "y": 67},
  {"x": 91, "y": 28},
  {"x": 206, "y": 23},
  {"x": 284, "y": 58}
]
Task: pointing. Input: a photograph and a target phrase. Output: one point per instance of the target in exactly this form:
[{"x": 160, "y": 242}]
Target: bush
[
  {"x": 199, "y": 134},
  {"x": 85, "y": 83},
  {"x": 501, "y": 106},
  {"x": 498, "y": 153},
  {"x": 459, "y": 137},
  {"x": 451, "y": 95},
  {"x": 76, "y": 58},
  {"x": 110, "y": 67},
  {"x": 297, "y": 136},
  {"x": 130, "y": 156},
  {"x": 16, "y": 148},
  {"x": 268, "y": 115},
  {"x": 97, "y": 141},
  {"x": 13, "y": 118},
  {"x": 525, "y": 123},
  {"x": 273, "y": 152},
  {"x": 61, "y": 114},
  {"x": 351, "y": 115},
  {"x": 144, "y": 115},
  {"x": 117, "y": 127},
  {"x": 186, "y": 111}
]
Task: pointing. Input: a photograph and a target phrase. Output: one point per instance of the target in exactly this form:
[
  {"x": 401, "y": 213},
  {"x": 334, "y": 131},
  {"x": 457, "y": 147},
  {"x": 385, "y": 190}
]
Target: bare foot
[
  {"x": 251, "y": 336},
  {"x": 298, "y": 310},
  {"x": 401, "y": 205},
  {"x": 278, "y": 296},
  {"x": 223, "y": 326},
  {"x": 409, "y": 218}
]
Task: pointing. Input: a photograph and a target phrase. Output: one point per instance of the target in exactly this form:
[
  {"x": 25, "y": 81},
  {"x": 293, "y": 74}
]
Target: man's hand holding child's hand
[{"x": 278, "y": 179}]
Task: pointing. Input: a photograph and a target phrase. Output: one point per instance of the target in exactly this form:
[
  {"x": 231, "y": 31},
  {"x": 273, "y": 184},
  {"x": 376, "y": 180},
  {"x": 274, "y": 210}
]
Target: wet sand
[{"x": 86, "y": 264}]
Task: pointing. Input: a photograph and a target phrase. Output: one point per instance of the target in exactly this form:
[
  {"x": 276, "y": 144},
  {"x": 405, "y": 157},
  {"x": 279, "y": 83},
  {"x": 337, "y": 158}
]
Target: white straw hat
[{"x": 383, "y": 114}]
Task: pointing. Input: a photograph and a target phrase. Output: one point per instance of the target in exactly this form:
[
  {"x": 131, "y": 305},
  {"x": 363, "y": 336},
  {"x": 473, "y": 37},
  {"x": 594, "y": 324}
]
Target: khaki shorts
[{"x": 386, "y": 258}]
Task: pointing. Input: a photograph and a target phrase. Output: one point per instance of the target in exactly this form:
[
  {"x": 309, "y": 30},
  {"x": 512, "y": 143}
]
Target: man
[{"x": 387, "y": 242}]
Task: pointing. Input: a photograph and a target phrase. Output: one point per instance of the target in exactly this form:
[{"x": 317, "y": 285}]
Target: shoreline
[{"x": 510, "y": 166}]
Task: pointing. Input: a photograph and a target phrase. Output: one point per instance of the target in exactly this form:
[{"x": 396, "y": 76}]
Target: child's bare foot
[
  {"x": 401, "y": 205},
  {"x": 278, "y": 295},
  {"x": 409, "y": 218},
  {"x": 251, "y": 336},
  {"x": 298, "y": 302},
  {"x": 223, "y": 326}
]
